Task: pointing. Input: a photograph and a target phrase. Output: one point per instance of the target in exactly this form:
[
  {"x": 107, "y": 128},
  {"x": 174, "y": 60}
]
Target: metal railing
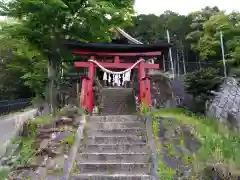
[{"x": 8, "y": 106}]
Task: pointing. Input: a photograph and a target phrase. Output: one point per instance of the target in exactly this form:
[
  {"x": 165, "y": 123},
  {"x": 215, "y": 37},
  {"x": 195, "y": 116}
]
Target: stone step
[
  {"x": 111, "y": 177},
  {"x": 116, "y": 101},
  {"x": 115, "y": 125},
  {"x": 120, "y": 98},
  {"x": 113, "y": 157},
  {"x": 113, "y": 168},
  {"x": 123, "y": 109},
  {"x": 117, "y": 96},
  {"x": 117, "y": 89},
  {"x": 115, "y": 139},
  {"x": 114, "y": 118},
  {"x": 116, "y": 92},
  {"x": 115, "y": 148},
  {"x": 117, "y": 132},
  {"x": 105, "y": 112}
]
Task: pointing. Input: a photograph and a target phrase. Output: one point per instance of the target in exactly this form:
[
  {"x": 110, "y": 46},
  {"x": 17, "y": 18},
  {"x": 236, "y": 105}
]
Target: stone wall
[
  {"x": 183, "y": 99},
  {"x": 166, "y": 91},
  {"x": 226, "y": 103},
  {"x": 161, "y": 90}
]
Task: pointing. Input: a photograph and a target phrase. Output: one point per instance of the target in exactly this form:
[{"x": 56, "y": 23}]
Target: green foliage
[
  {"x": 4, "y": 173},
  {"x": 196, "y": 35},
  {"x": 42, "y": 26},
  {"x": 144, "y": 108},
  {"x": 21, "y": 64},
  {"x": 197, "y": 24},
  {"x": 70, "y": 140},
  {"x": 152, "y": 28},
  {"x": 27, "y": 151},
  {"x": 205, "y": 35},
  {"x": 200, "y": 83}
]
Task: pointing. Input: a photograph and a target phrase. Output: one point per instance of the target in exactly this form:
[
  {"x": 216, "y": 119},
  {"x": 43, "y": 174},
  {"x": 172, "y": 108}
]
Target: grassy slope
[{"x": 219, "y": 145}]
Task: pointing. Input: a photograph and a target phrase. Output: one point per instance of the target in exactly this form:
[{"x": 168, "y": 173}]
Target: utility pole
[
  {"x": 183, "y": 58},
  {"x": 178, "y": 64},
  {"x": 78, "y": 92},
  {"x": 170, "y": 54},
  {"x": 164, "y": 66},
  {"x": 223, "y": 54}
]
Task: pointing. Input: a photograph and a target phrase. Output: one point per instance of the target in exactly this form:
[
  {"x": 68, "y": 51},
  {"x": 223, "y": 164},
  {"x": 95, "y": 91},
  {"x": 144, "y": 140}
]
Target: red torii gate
[{"x": 115, "y": 50}]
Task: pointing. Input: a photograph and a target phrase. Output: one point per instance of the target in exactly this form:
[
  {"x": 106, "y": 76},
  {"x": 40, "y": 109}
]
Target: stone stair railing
[
  {"x": 70, "y": 161},
  {"x": 148, "y": 121},
  {"x": 151, "y": 144}
]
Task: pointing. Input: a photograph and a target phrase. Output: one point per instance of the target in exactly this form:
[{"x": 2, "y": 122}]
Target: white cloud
[{"x": 183, "y": 6}]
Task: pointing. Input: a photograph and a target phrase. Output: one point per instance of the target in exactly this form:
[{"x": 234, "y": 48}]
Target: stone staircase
[
  {"x": 114, "y": 148},
  {"x": 118, "y": 101}
]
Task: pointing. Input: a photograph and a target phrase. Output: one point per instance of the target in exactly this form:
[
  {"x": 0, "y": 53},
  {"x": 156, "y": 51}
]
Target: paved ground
[{"x": 8, "y": 126}]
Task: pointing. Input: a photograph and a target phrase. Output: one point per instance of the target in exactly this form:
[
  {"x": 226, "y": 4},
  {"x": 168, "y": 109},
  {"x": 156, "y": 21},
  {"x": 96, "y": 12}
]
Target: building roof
[
  {"x": 117, "y": 46},
  {"x": 128, "y": 37},
  {"x": 110, "y": 47}
]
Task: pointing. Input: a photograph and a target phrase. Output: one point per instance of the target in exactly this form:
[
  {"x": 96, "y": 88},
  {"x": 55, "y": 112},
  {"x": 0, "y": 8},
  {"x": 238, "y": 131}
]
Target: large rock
[{"x": 225, "y": 106}]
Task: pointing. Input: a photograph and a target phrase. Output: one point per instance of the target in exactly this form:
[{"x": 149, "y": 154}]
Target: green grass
[
  {"x": 4, "y": 173},
  {"x": 219, "y": 145},
  {"x": 70, "y": 140}
]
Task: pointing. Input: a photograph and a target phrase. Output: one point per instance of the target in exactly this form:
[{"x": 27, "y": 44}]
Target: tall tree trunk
[{"x": 52, "y": 75}]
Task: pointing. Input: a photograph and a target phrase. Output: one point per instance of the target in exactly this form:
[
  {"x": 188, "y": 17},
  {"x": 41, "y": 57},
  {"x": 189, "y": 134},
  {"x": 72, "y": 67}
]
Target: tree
[
  {"x": 198, "y": 19},
  {"x": 17, "y": 61},
  {"x": 151, "y": 28},
  {"x": 146, "y": 28},
  {"x": 45, "y": 24},
  {"x": 209, "y": 44},
  {"x": 200, "y": 83}
]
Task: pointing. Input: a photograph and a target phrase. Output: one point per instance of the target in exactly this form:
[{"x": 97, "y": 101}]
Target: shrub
[{"x": 200, "y": 83}]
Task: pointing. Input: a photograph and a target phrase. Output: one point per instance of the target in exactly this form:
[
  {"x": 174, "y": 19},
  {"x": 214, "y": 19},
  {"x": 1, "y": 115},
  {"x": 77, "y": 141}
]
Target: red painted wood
[
  {"x": 90, "y": 95},
  {"x": 116, "y": 59},
  {"x": 141, "y": 74},
  {"x": 116, "y": 65},
  {"x": 83, "y": 94},
  {"x": 91, "y": 69},
  {"x": 148, "y": 92},
  {"x": 86, "y": 52}
]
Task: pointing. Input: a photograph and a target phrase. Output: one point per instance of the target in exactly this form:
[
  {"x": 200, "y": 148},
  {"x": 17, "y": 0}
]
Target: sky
[{"x": 183, "y": 7}]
